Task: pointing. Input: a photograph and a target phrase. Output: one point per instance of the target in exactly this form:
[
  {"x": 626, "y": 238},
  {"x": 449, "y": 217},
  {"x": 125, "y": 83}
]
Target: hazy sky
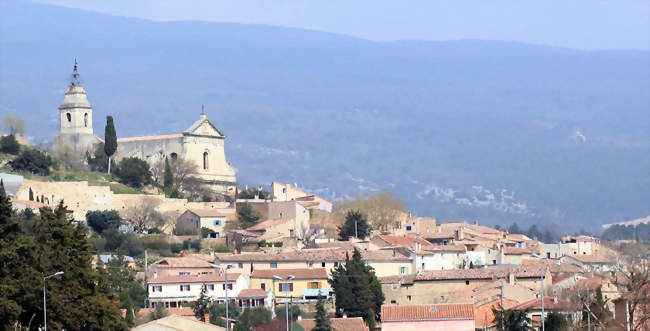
[{"x": 582, "y": 24}]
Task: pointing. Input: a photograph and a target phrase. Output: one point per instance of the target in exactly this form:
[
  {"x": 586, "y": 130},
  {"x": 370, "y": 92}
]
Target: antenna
[
  {"x": 75, "y": 74},
  {"x": 202, "y": 109}
]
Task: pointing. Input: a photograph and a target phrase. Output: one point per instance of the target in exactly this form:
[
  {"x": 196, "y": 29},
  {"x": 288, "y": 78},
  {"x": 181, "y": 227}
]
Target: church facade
[{"x": 202, "y": 143}]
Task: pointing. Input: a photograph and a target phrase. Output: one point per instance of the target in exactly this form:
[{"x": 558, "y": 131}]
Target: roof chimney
[
  {"x": 155, "y": 274},
  {"x": 183, "y": 254}
]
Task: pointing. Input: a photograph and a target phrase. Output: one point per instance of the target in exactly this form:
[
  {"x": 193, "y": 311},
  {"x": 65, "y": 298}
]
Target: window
[
  {"x": 274, "y": 265},
  {"x": 467, "y": 282},
  {"x": 185, "y": 287},
  {"x": 156, "y": 288},
  {"x": 336, "y": 264},
  {"x": 285, "y": 287},
  {"x": 393, "y": 302},
  {"x": 86, "y": 119},
  {"x": 322, "y": 264},
  {"x": 182, "y": 273},
  {"x": 205, "y": 160},
  {"x": 69, "y": 117},
  {"x": 263, "y": 286},
  {"x": 223, "y": 286},
  {"x": 174, "y": 156},
  {"x": 241, "y": 266},
  {"x": 408, "y": 297},
  {"x": 211, "y": 287},
  {"x": 310, "y": 264},
  {"x": 284, "y": 190},
  {"x": 313, "y": 285},
  {"x": 408, "y": 228},
  {"x": 217, "y": 222},
  {"x": 494, "y": 261},
  {"x": 403, "y": 270}
]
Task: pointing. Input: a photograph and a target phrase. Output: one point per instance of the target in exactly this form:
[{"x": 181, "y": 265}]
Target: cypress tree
[
  {"x": 110, "y": 140},
  {"x": 130, "y": 318},
  {"x": 31, "y": 194},
  {"x": 323, "y": 322},
  {"x": 169, "y": 176}
]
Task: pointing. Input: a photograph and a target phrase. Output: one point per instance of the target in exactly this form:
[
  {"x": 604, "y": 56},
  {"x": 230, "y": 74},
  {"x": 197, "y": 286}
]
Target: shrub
[
  {"x": 157, "y": 242},
  {"x": 192, "y": 244},
  {"x": 100, "y": 220},
  {"x": 205, "y": 232},
  {"x": 176, "y": 248},
  {"x": 133, "y": 172},
  {"x": 9, "y": 145},
  {"x": 33, "y": 161},
  {"x": 279, "y": 244},
  {"x": 131, "y": 246}
]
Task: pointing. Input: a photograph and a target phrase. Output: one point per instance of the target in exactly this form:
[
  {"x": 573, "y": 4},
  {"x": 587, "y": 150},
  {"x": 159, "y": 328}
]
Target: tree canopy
[
  {"x": 34, "y": 161},
  {"x": 323, "y": 322},
  {"x": 133, "y": 172},
  {"x": 512, "y": 319},
  {"x": 9, "y": 145},
  {"x": 246, "y": 215},
  {"x": 354, "y": 218},
  {"x": 100, "y": 220}
]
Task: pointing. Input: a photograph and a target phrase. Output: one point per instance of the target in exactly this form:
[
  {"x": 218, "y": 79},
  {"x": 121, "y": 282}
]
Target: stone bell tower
[{"x": 76, "y": 117}]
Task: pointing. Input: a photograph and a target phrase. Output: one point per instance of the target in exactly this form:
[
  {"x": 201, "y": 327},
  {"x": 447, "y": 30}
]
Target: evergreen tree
[
  {"x": 246, "y": 215},
  {"x": 323, "y": 322},
  {"x": 357, "y": 289},
  {"x": 37, "y": 199},
  {"x": 31, "y": 194},
  {"x": 168, "y": 176},
  {"x": 130, "y": 318},
  {"x": 201, "y": 306},
  {"x": 133, "y": 172},
  {"x": 556, "y": 322},
  {"x": 354, "y": 218},
  {"x": 110, "y": 140},
  {"x": 514, "y": 228},
  {"x": 100, "y": 220},
  {"x": 9, "y": 145},
  {"x": 512, "y": 319},
  {"x": 123, "y": 283}
]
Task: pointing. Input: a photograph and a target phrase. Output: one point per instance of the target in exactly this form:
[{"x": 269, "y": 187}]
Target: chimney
[
  {"x": 183, "y": 254},
  {"x": 511, "y": 278},
  {"x": 475, "y": 222},
  {"x": 207, "y": 318},
  {"x": 155, "y": 274}
]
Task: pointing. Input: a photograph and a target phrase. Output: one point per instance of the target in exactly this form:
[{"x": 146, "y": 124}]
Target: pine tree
[
  {"x": 201, "y": 306},
  {"x": 323, "y": 322},
  {"x": 168, "y": 176},
  {"x": 37, "y": 199},
  {"x": 246, "y": 215},
  {"x": 354, "y": 219},
  {"x": 357, "y": 289},
  {"x": 110, "y": 140},
  {"x": 512, "y": 319},
  {"x": 556, "y": 322},
  {"x": 31, "y": 194}
]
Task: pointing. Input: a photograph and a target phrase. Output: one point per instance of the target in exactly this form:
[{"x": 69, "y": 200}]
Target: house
[
  {"x": 181, "y": 323},
  {"x": 204, "y": 218},
  {"x": 444, "y": 257},
  {"x": 412, "y": 241},
  {"x": 288, "y": 192},
  {"x": 440, "y": 238},
  {"x": 407, "y": 224},
  {"x": 294, "y": 284},
  {"x": 551, "y": 304},
  {"x": 589, "y": 262},
  {"x": 385, "y": 262},
  {"x": 286, "y": 210},
  {"x": 177, "y": 266},
  {"x": 516, "y": 255},
  {"x": 274, "y": 229},
  {"x": 484, "y": 315},
  {"x": 175, "y": 290},
  {"x": 338, "y": 324},
  {"x": 448, "y": 317},
  {"x": 20, "y": 205}
]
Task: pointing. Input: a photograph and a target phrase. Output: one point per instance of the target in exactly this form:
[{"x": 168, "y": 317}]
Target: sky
[{"x": 578, "y": 24}]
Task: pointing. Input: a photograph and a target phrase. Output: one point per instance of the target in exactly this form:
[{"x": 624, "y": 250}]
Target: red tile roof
[
  {"x": 517, "y": 251},
  {"x": 338, "y": 324},
  {"x": 317, "y": 273},
  {"x": 268, "y": 224},
  {"x": 444, "y": 248},
  {"x": 552, "y": 265},
  {"x": 403, "y": 279},
  {"x": 206, "y": 213},
  {"x": 182, "y": 262},
  {"x": 480, "y": 273},
  {"x": 591, "y": 259},
  {"x": 313, "y": 255},
  {"x": 427, "y": 312},
  {"x": 549, "y": 304},
  {"x": 214, "y": 277},
  {"x": 440, "y": 235},
  {"x": 28, "y": 203},
  {"x": 252, "y": 293},
  {"x": 406, "y": 241},
  {"x": 484, "y": 313}
]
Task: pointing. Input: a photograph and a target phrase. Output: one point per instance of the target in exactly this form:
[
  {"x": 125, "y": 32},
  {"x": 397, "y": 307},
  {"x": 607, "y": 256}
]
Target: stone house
[
  {"x": 288, "y": 192},
  {"x": 175, "y": 290},
  {"x": 204, "y": 218},
  {"x": 448, "y": 317},
  {"x": 298, "y": 285},
  {"x": 551, "y": 305},
  {"x": 590, "y": 263},
  {"x": 440, "y": 258}
]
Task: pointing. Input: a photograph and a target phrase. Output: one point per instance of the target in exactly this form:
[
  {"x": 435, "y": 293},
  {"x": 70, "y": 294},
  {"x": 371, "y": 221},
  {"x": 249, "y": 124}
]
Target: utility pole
[
  {"x": 355, "y": 229},
  {"x": 588, "y": 310},
  {"x": 541, "y": 277},
  {"x": 146, "y": 269},
  {"x": 627, "y": 316}
]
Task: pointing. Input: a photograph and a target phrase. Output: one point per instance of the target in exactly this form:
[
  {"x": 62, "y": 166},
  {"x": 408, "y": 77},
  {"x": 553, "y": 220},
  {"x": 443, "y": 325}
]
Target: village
[{"x": 171, "y": 217}]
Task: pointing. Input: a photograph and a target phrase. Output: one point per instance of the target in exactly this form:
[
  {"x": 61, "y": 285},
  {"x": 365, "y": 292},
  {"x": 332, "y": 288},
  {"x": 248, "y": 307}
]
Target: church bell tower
[{"x": 75, "y": 112}]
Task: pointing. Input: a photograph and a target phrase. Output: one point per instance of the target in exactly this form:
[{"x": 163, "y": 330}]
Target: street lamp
[
  {"x": 225, "y": 272},
  {"x": 286, "y": 301},
  {"x": 44, "y": 298}
]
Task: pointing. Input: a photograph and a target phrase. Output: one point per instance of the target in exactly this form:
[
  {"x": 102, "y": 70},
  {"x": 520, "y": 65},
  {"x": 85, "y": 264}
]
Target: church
[{"x": 201, "y": 143}]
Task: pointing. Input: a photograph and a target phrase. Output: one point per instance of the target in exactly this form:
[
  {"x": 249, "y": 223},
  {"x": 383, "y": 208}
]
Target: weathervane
[{"x": 75, "y": 74}]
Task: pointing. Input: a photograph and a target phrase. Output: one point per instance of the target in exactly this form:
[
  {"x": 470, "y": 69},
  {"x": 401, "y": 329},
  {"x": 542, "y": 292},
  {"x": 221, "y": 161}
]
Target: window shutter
[
  {"x": 181, "y": 288},
  {"x": 319, "y": 285},
  {"x": 290, "y": 286},
  {"x": 223, "y": 286}
]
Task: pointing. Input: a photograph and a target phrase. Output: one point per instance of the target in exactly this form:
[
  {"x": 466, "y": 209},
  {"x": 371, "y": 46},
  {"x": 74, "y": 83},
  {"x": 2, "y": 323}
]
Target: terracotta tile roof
[
  {"x": 591, "y": 259},
  {"x": 205, "y": 257},
  {"x": 336, "y": 254},
  {"x": 444, "y": 248},
  {"x": 206, "y": 213},
  {"x": 252, "y": 293},
  {"x": 406, "y": 241},
  {"x": 28, "y": 203},
  {"x": 552, "y": 265},
  {"x": 184, "y": 311},
  {"x": 214, "y": 277},
  {"x": 245, "y": 233},
  {"x": 517, "y": 237},
  {"x": 480, "y": 273},
  {"x": 317, "y": 273},
  {"x": 439, "y": 235},
  {"x": 549, "y": 304},
  {"x": 517, "y": 251},
  {"x": 182, "y": 262},
  {"x": 484, "y": 312},
  {"x": 402, "y": 279},
  {"x": 309, "y": 204},
  {"x": 427, "y": 312},
  {"x": 338, "y": 324},
  {"x": 559, "y": 278},
  {"x": 268, "y": 224},
  {"x": 144, "y": 138}
]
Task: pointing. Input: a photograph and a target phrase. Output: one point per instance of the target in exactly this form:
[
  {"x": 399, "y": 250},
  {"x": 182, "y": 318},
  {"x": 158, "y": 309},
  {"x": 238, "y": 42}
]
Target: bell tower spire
[{"x": 74, "y": 79}]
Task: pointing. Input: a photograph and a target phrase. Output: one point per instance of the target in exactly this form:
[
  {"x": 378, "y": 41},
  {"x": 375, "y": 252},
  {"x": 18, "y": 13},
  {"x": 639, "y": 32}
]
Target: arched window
[
  {"x": 86, "y": 119},
  {"x": 205, "y": 160},
  {"x": 69, "y": 117},
  {"x": 174, "y": 156}
]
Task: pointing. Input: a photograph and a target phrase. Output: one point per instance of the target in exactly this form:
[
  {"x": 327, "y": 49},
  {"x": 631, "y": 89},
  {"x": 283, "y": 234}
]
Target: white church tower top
[{"x": 75, "y": 112}]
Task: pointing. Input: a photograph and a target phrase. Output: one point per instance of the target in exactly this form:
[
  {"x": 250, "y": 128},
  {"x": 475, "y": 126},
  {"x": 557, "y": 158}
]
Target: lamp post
[
  {"x": 225, "y": 274},
  {"x": 44, "y": 297},
  {"x": 286, "y": 301}
]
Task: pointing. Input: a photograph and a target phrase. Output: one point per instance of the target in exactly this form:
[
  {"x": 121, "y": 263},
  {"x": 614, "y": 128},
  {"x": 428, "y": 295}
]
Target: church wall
[
  {"x": 152, "y": 150},
  {"x": 217, "y": 167}
]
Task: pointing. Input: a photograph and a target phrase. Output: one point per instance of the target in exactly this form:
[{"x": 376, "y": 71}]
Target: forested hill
[{"x": 494, "y": 131}]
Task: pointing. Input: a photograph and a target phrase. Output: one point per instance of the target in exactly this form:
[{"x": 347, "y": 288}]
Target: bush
[
  {"x": 278, "y": 244},
  {"x": 157, "y": 242},
  {"x": 250, "y": 318},
  {"x": 192, "y": 244},
  {"x": 155, "y": 231},
  {"x": 9, "y": 145},
  {"x": 176, "y": 248},
  {"x": 100, "y": 220},
  {"x": 33, "y": 161},
  {"x": 205, "y": 232},
  {"x": 294, "y": 311},
  {"x": 133, "y": 172},
  {"x": 131, "y": 246},
  {"x": 98, "y": 242}
]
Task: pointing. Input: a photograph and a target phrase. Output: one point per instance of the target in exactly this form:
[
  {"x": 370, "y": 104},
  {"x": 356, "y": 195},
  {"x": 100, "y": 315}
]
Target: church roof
[
  {"x": 199, "y": 124},
  {"x": 75, "y": 97}
]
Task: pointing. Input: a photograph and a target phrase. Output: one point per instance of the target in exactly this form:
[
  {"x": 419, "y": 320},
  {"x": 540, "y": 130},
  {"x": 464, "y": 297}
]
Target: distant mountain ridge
[{"x": 495, "y": 131}]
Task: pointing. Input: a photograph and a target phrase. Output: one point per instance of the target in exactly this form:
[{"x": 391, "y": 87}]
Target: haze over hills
[{"x": 487, "y": 130}]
